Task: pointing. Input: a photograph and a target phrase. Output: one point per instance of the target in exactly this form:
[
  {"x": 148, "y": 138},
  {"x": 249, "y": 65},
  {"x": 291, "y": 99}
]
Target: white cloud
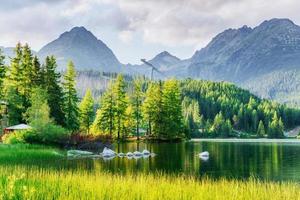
[{"x": 168, "y": 23}]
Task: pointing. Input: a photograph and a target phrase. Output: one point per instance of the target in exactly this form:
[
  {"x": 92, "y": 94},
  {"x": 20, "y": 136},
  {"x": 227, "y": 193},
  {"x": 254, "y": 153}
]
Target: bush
[
  {"x": 16, "y": 137},
  {"x": 48, "y": 134}
]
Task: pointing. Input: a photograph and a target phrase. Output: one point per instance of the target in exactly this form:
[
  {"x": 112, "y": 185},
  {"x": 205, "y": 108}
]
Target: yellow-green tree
[{"x": 87, "y": 114}]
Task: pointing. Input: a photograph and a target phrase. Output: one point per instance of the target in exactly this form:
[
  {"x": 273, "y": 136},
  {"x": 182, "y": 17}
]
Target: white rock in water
[
  {"x": 108, "y": 152},
  {"x": 129, "y": 154},
  {"x": 146, "y": 152},
  {"x": 79, "y": 153},
  {"x": 204, "y": 154},
  {"x": 137, "y": 153},
  {"x": 121, "y": 154}
]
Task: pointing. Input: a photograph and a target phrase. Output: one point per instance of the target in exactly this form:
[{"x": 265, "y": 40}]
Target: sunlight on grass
[{"x": 34, "y": 183}]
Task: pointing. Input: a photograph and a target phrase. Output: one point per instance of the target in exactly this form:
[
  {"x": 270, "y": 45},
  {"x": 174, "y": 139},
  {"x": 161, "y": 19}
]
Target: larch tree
[
  {"x": 172, "y": 113},
  {"x": 105, "y": 118},
  {"x": 261, "y": 129},
  {"x": 120, "y": 103},
  {"x": 71, "y": 109},
  {"x": 137, "y": 100},
  {"x": 87, "y": 114},
  {"x": 38, "y": 114}
]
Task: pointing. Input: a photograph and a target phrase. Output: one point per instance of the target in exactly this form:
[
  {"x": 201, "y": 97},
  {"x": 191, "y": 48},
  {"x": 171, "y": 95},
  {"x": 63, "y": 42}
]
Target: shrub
[{"x": 16, "y": 137}]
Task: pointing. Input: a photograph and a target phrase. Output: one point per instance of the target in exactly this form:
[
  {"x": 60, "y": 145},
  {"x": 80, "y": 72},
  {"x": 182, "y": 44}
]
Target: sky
[{"x": 136, "y": 29}]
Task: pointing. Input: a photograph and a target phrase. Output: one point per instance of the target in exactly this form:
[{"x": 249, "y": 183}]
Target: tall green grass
[
  {"x": 27, "y": 172},
  {"x": 21, "y": 183}
]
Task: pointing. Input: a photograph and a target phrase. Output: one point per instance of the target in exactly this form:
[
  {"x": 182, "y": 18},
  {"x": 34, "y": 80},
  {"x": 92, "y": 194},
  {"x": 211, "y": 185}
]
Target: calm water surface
[{"x": 270, "y": 161}]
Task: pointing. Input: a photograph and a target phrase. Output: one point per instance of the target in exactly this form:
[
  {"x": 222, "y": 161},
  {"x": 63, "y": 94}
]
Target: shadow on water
[{"x": 268, "y": 161}]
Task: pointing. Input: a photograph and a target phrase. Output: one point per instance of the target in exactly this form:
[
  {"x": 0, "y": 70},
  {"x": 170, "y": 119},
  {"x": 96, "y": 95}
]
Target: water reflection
[{"x": 271, "y": 161}]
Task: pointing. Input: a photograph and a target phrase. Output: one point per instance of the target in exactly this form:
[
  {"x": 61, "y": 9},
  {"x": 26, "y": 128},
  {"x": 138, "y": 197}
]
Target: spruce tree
[
  {"x": 87, "y": 114},
  {"x": 120, "y": 103},
  {"x": 15, "y": 88},
  {"x": 70, "y": 99},
  {"x": 37, "y": 73},
  {"x": 2, "y": 75},
  {"x": 52, "y": 84}
]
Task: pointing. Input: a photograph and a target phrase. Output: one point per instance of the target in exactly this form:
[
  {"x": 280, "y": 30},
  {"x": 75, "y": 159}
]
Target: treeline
[
  {"x": 37, "y": 94},
  {"x": 216, "y": 109}
]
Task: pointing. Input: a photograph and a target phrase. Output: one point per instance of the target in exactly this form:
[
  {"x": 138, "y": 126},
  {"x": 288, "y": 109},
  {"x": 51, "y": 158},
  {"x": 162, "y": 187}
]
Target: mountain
[
  {"x": 163, "y": 61},
  {"x": 254, "y": 58},
  {"x": 84, "y": 49}
]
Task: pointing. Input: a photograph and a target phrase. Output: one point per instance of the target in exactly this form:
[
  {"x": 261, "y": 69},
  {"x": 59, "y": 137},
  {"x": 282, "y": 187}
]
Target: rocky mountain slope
[{"x": 84, "y": 49}]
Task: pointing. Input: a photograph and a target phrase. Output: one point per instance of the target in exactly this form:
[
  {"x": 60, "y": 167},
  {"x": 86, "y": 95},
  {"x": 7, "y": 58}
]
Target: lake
[{"x": 278, "y": 160}]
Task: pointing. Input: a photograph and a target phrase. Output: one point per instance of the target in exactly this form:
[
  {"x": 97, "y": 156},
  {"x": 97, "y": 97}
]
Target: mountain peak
[
  {"x": 164, "y": 54},
  {"x": 79, "y": 29},
  {"x": 277, "y": 21},
  {"x": 84, "y": 49}
]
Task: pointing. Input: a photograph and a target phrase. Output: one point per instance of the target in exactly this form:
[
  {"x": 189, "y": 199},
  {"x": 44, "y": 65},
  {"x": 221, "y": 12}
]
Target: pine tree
[
  {"x": 261, "y": 129},
  {"x": 120, "y": 103},
  {"x": 105, "y": 117},
  {"x": 86, "y": 108},
  {"x": 70, "y": 99},
  {"x": 54, "y": 90}
]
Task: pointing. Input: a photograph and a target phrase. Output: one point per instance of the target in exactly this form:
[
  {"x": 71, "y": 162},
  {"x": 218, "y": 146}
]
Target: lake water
[{"x": 269, "y": 161}]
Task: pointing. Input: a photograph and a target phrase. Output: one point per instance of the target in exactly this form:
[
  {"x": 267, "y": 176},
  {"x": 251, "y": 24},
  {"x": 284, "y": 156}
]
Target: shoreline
[{"x": 258, "y": 140}]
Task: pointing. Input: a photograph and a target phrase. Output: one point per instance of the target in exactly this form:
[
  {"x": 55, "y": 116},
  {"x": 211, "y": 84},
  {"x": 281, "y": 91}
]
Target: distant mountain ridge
[{"x": 260, "y": 59}]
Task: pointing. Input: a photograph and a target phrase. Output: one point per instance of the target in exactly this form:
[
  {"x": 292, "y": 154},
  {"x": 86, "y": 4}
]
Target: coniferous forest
[{"x": 34, "y": 92}]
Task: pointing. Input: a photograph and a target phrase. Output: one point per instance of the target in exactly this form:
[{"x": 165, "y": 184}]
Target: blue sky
[{"x": 136, "y": 29}]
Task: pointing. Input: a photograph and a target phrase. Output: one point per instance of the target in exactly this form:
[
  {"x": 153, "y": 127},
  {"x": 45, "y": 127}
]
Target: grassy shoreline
[{"x": 21, "y": 183}]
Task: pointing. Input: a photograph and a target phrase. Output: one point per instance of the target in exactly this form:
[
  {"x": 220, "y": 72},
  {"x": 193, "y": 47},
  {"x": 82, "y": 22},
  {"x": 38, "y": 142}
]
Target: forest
[{"x": 35, "y": 93}]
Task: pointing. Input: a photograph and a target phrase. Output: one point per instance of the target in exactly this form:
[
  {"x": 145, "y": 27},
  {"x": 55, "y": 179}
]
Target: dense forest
[{"x": 35, "y": 93}]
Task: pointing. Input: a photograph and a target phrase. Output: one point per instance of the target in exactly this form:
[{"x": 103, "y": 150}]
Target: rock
[
  {"x": 76, "y": 153},
  {"x": 137, "y": 153},
  {"x": 108, "y": 152},
  {"x": 146, "y": 152},
  {"x": 129, "y": 154},
  {"x": 204, "y": 154}
]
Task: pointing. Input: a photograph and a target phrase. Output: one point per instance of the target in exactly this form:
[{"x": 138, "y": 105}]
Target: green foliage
[
  {"x": 71, "y": 109},
  {"x": 2, "y": 74},
  {"x": 261, "y": 129},
  {"x": 239, "y": 108},
  {"x": 51, "y": 83},
  {"x": 152, "y": 109},
  {"x": 136, "y": 101},
  {"x": 16, "y": 137},
  {"x": 120, "y": 103},
  {"x": 39, "y": 112},
  {"x": 171, "y": 109},
  {"x": 105, "y": 117},
  {"x": 86, "y": 108}
]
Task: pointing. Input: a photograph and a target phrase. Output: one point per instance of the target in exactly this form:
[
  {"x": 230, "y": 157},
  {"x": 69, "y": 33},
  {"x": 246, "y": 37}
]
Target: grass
[{"x": 18, "y": 181}]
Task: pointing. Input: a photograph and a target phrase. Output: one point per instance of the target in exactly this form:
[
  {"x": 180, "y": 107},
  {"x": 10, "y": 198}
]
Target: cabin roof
[{"x": 18, "y": 127}]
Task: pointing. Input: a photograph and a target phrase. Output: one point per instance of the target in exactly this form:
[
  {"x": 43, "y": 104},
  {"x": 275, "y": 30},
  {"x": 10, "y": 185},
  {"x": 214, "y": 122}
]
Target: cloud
[{"x": 170, "y": 23}]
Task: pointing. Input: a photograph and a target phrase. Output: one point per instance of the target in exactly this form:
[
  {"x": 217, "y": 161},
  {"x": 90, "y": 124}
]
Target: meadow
[{"x": 24, "y": 180}]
